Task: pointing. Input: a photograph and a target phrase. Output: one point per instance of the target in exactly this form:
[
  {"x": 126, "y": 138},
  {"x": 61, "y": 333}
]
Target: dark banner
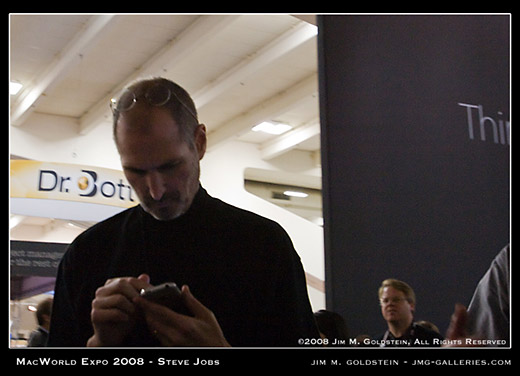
[
  {"x": 35, "y": 258},
  {"x": 416, "y": 158}
]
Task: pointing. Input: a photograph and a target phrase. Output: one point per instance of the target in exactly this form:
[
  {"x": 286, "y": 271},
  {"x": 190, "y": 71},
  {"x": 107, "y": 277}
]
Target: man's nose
[{"x": 156, "y": 185}]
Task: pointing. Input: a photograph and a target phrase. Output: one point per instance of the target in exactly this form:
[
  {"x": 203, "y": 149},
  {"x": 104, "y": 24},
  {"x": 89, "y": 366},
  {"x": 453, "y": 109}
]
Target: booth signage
[
  {"x": 60, "y": 181},
  {"x": 36, "y": 258}
]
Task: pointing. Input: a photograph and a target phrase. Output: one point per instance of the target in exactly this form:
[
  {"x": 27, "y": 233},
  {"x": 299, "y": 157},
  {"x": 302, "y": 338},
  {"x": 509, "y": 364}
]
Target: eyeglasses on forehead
[{"x": 157, "y": 95}]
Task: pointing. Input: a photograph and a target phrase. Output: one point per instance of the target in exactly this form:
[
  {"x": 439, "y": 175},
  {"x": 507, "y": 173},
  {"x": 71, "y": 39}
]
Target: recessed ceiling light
[
  {"x": 14, "y": 87},
  {"x": 295, "y": 194},
  {"x": 271, "y": 128}
]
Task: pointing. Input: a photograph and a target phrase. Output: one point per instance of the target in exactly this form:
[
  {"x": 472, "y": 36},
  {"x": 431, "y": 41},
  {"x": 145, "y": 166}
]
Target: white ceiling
[{"x": 240, "y": 69}]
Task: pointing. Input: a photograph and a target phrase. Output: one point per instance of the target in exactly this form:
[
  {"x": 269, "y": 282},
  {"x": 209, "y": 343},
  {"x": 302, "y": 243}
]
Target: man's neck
[{"x": 399, "y": 328}]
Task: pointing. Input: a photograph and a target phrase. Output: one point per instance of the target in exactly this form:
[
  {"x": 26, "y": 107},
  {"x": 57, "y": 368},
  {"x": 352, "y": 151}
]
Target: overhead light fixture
[
  {"x": 271, "y": 128},
  {"x": 14, "y": 87},
  {"x": 15, "y": 220},
  {"x": 295, "y": 194}
]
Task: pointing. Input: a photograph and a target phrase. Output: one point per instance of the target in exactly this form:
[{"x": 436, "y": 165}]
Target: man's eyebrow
[
  {"x": 133, "y": 169},
  {"x": 167, "y": 164}
]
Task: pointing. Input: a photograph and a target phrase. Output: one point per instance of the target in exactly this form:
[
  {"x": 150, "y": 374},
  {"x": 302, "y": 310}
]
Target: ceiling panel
[
  {"x": 130, "y": 42},
  {"x": 35, "y": 40}
]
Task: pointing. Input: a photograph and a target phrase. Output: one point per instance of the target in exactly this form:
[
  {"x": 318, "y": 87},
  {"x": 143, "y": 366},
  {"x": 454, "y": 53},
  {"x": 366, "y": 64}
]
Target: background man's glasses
[{"x": 386, "y": 301}]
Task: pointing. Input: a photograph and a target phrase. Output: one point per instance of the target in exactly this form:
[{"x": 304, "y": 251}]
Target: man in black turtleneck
[{"x": 246, "y": 283}]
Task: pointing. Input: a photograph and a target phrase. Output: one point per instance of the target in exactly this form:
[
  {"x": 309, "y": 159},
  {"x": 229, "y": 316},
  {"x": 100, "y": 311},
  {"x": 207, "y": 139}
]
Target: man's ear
[{"x": 201, "y": 140}]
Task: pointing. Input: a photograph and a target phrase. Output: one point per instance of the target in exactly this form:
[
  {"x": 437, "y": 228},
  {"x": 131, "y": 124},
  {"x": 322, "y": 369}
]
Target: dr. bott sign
[{"x": 59, "y": 181}]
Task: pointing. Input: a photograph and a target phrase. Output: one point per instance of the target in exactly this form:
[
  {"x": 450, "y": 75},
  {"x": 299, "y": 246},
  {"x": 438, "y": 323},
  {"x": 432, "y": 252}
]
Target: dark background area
[{"x": 408, "y": 193}]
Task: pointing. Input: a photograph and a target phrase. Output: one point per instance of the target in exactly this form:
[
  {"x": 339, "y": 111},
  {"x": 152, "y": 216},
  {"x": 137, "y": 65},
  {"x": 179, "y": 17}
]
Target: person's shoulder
[
  {"x": 114, "y": 222},
  {"x": 37, "y": 338},
  {"x": 426, "y": 333},
  {"x": 502, "y": 260},
  {"x": 243, "y": 217},
  {"x": 105, "y": 231}
]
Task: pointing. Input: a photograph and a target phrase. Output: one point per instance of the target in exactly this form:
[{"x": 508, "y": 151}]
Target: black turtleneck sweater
[{"x": 240, "y": 265}]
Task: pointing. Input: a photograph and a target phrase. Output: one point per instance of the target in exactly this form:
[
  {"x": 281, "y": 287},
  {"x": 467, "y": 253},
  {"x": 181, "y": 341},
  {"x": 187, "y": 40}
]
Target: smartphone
[{"x": 168, "y": 295}]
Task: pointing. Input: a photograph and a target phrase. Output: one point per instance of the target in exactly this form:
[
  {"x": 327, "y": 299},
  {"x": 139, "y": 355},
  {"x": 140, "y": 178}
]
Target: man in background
[
  {"x": 397, "y": 300},
  {"x": 38, "y": 338}
]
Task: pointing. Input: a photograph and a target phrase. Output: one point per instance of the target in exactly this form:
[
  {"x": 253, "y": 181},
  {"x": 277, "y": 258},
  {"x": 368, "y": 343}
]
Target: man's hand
[
  {"x": 457, "y": 333},
  {"x": 113, "y": 312},
  {"x": 458, "y": 322},
  {"x": 174, "y": 329}
]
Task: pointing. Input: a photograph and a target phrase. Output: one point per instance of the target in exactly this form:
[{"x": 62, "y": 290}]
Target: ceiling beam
[
  {"x": 289, "y": 140},
  {"x": 194, "y": 37},
  {"x": 310, "y": 18},
  {"x": 267, "y": 110},
  {"x": 263, "y": 57},
  {"x": 56, "y": 71},
  {"x": 283, "y": 177}
]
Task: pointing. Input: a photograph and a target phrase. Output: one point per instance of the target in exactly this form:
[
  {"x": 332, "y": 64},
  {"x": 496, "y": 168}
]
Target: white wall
[{"x": 55, "y": 139}]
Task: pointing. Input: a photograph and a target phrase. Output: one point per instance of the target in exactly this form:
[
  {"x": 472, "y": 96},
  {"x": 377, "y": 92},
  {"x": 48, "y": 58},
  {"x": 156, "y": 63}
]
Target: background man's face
[{"x": 396, "y": 308}]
